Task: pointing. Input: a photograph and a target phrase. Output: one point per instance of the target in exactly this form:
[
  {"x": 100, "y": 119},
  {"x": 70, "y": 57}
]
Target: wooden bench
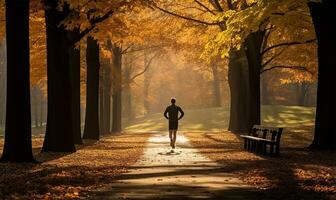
[{"x": 260, "y": 137}]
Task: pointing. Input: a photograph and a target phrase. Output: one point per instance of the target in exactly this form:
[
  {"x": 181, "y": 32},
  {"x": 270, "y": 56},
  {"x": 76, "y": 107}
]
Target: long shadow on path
[{"x": 182, "y": 174}]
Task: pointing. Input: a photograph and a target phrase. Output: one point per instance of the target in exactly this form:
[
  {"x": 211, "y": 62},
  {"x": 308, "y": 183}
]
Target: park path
[{"x": 184, "y": 174}]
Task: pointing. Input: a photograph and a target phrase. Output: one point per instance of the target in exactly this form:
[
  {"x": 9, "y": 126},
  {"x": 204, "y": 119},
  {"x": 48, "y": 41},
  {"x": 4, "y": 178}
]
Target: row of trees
[
  {"x": 250, "y": 37},
  {"x": 63, "y": 78}
]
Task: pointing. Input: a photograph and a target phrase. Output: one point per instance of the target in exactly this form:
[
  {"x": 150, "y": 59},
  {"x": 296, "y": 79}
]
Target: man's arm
[
  {"x": 165, "y": 114},
  {"x": 182, "y": 113}
]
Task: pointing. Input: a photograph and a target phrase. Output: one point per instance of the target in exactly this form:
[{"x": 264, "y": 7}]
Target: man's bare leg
[
  {"x": 171, "y": 137},
  {"x": 174, "y": 138}
]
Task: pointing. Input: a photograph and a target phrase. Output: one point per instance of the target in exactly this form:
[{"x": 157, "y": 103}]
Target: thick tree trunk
[
  {"x": 18, "y": 145},
  {"x": 216, "y": 90},
  {"x": 238, "y": 83},
  {"x": 324, "y": 16},
  {"x": 74, "y": 65},
  {"x": 116, "y": 125},
  {"x": 253, "y": 46},
  {"x": 101, "y": 100},
  {"x": 59, "y": 132},
  {"x": 91, "y": 129},
  {"x": 3, "y": 65}
]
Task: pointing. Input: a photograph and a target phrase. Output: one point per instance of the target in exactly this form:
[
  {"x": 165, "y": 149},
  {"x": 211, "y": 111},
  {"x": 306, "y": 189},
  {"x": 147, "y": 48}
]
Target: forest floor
[
  {"x": 298, "y": 173},
  {"x": 74, "y": 175}
]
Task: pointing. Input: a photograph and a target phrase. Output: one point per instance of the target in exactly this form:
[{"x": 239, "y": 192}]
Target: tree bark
[
  {"x": 324, "y": 16},
  {"x": 238, "y": 83},
  {"x": 18, "y": 145},
  {"x": 35, "y": 104},
  {"x": 59, "y": 132},
  {"x": 74, "y": 65},
  {"x": 91, "y": 129},
  {"x": 128, "y": 111},
  {"x": 101, "y": 100},
  {"x": 216, "y": 90},
  {"x": 116, "y": 124},
  {"x": 265, "y": 95},
  {"x": 107, "y": 99},
  {"x": 253, "y": 45},
  {"x": 147, "y": 76}
]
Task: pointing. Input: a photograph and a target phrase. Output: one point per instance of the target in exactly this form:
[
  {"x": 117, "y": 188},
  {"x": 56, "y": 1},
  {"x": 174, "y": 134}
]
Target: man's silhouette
[{"x": 171, "y": 114}]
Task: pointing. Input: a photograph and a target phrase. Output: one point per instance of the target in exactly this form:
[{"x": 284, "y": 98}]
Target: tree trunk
[
  {"x": 265, "y": 95},
  {"x": 216, "y": 90},
  {"x": 238, "y": 83},
  {"x": 101, "y": 100},
  {"x": 116, "y": 125},
  {"x": 302, "y": 90},
  {"x": 253, "y": 45},
  {"x": 18, "y": 145},
  {"x": 107, "y": 99},
  {"x": 324, "y": 16},
  {"x": 91, "y": 129},
  {"x": 35, "y": 104},
  {"x": 3, "y": 65},
  {"x": 59, "y": 132},
  {"x": 42, "y": 106},
  {"x": 74, "y": 65},
  {"x": 147, "y": 76},
  {"x": 128, "y": 111}
]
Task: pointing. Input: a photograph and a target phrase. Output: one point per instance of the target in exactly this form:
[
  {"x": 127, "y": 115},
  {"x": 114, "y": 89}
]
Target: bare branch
[
  {"x": 272, "y": 58},
  {"x": 203, "y": 6},
  {"x": 217, "y": 5},
  {"x": 187, "y": 18},
  {"x": 286, "y": 44},
  {"x": 145, "y": 69},
  {"x": 299, "y": 68}
]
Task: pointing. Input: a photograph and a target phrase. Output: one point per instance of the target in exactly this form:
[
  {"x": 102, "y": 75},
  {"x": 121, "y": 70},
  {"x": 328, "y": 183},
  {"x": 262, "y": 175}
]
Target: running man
[{"x": 171, "y": 114}]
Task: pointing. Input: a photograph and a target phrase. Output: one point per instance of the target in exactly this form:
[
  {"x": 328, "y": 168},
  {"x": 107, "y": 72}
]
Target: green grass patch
[{"x": 217, "y": 119}]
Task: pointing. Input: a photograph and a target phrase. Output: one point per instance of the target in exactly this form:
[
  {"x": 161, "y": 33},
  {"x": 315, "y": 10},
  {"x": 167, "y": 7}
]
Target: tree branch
[
  {"x": 187, "y": 18},
  {"x": 217, "y": 5},
  {"x": 203, "y": 6},
  {"x": 286, "y": 44},
  {"x": 94, "y": 22},
  {"x": 145, "y": 69},
  {"x": 272, "y": 58},
  {"x": 299, "y": 68}
]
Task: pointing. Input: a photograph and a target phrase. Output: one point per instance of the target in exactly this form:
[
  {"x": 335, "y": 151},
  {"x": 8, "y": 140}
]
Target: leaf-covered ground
[
  {"x": 299, "y": 173},
  {"x": 71, "y": 176}
]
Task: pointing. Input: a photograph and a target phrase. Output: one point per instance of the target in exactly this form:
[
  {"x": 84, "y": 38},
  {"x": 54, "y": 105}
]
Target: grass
[{"x": 216, "y": 119}]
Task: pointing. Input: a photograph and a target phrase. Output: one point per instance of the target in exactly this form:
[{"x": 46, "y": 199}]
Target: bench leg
[
  {"x": 271, "y": 149},
  {"x": 277, "y": 149}
]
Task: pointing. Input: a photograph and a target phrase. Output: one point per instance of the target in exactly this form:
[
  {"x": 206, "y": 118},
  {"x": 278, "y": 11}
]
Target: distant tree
[
  {"x": 116, "y": 85},
  {"x": 18, "y": 144}
]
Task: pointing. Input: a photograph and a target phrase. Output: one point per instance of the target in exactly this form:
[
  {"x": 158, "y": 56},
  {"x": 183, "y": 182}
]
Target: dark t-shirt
[{"x": 172, "y": 111}]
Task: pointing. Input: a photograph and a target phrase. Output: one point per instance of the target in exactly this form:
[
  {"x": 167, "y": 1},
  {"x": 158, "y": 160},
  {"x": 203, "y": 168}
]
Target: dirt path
[{"x": 183, "y": 174}]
